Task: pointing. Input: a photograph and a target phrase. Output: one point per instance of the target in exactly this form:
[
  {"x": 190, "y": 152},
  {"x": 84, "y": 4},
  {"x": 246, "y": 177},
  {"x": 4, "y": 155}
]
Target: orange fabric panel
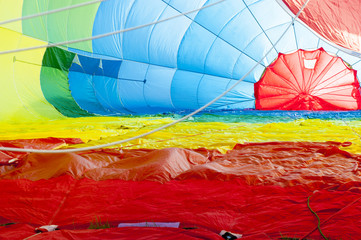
[{"x": 281, "y": 163}]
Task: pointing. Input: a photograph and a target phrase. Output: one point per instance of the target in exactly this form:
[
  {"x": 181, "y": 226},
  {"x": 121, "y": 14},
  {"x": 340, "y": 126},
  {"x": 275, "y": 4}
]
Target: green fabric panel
[
  {"x": 72, "y": 24},
  {"x": 35, "y": 27},
  {"x": 80, "y": 24},
  {"x": 55, "y": 83},
  {"x": 57, "y": 58}
]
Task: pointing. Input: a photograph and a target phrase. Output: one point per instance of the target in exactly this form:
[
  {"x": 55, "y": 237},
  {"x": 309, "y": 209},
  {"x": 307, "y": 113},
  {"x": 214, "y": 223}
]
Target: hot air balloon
[{"x": 99, "y": 126}]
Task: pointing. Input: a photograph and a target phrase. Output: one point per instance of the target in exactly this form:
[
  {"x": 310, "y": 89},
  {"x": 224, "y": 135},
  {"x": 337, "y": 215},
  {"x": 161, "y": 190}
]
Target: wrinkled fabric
[
  {"x": 40, "y": 143},
  {"x": 21, "y": 231},
  {"x": 256, "y": 189},
  {"x": 313, "y": 164},
  {"x": 254, "y": 211}
]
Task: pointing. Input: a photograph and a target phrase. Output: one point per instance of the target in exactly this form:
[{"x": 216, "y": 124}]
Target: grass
[
  {"x": 98, "y": 224},
  {"x": 6, "y": 224}
]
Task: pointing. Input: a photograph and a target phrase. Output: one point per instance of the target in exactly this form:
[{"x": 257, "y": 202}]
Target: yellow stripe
[{"x": 213, "y": 135}]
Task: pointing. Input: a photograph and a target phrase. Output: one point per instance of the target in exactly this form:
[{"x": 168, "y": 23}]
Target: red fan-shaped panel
[{"x": 308, "y": 80}]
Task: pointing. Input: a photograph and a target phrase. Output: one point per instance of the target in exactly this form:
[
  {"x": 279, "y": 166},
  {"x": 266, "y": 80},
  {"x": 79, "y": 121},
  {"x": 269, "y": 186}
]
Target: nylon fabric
[
  {"x": 308, "y": 80},
  {"x": 129, "y": 233},
  {"x": 54, "y": 82},
  {"x": 336, "y": 24},
  {"x": 114, "y": 87},
  {"x": 314, "y": 165},
  {"x": 209, "y": 131},
  {"x": 71, "y": 24},
  {"x": 20, "y": 89},
  {"x": 201, "y": 53},
  {"x": 40, "y": 143},
  {"x": 213, "y": 205},
  {"x": 11, "y": 10}
]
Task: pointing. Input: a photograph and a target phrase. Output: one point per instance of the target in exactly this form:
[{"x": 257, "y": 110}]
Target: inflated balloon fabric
[
  {"x": 339, "y": 24},
  {"x": 172, "y": 66},
  {"x": 308, "y": 80}
]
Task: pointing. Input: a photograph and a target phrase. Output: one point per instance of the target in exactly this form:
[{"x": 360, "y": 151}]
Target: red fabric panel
[
  {"x": 21, "y": 231},
  {"x": 16, "y": 231},
  {"x": 289, "y": 83},
  {"x": 337, "y": 21},
  {"x": 132, "y": 233},
  {"x": 254, "y": 211}
]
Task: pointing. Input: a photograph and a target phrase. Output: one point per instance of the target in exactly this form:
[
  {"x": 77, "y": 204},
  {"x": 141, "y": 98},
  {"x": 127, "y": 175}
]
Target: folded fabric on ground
[{"x": 259, "y": 190}]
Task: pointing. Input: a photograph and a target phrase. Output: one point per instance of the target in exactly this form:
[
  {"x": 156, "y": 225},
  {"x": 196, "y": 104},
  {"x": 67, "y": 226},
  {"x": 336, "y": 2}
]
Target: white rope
[
  {"x": 108, "y": 34},
  {"x": 167, "y": 125},
  {"x": 50, "y": 12}
]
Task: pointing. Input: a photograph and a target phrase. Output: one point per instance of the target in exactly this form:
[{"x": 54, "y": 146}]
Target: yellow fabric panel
[
  {"x": 11, "y": 9},
  {"x": 211, "y": 135},
  {"x": 20, "y": 91}
]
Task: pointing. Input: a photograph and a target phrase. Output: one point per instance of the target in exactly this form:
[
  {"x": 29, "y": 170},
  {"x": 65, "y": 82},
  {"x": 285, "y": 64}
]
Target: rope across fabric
[{"x": 167, "y": 125}]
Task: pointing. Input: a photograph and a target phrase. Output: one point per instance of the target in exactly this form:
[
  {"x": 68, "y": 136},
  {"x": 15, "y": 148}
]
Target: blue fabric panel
[
  {"x": 266, "y": 18},
  {"x": 211, "y": 87},
  {"x": 242, "y": 96},
  {"x": 132, "y": 94},
  {"x": 194, "y": 48},
  {"x": 157, "y": 88},
  {"x": 243, "y": 65},
  {"x": 89, "y": 65},
  {"x": 288, "y": 42},
  {"x": 256, "y": 52},
  {"x": 305, "y": 38},
  {"x": 186, "y": 6},
  {"x": 106, "y": 91},
  {"x": 328, "y": 48},
  {"x": 111, "y": 68},
  {"x": 136, "y": 42},
  {"x": 216, "y": 17},
  {"x": 81, "y": 87},
  {"x": 111, "y": 16},
  {"x": 249, "y": 2},
  {"x": 241, "y": 30},
  {"x": 133, "y": 70},
  {"x": 131, "y": 82},
  {"x": 93, "y": 66},
  {"x": 76, "y": 68},
  {"x": 184, "y": 89},
  {"x": 166, "y": 38},
  {"x": 90, "y": 54},
  {"x": 223, "y": 67}
]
